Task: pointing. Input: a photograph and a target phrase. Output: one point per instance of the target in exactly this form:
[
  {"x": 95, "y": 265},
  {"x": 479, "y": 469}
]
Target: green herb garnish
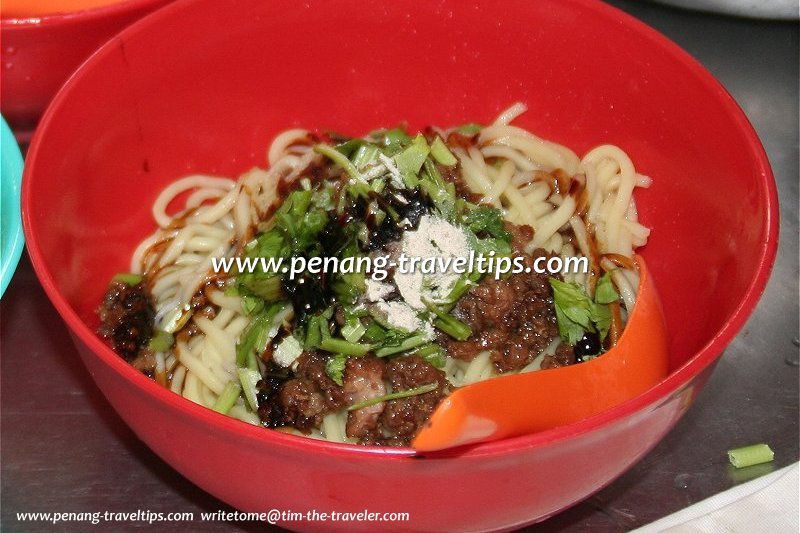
[
  {"x": 302, "y": 219},
  {"x": 339, "y": 158},
  {"x": 353, "y": 329},
  {"x": 161, "y": 341},
  {"x": 750, "y": 455},
  {"x": 258, "y": 334},
  {"x": 442, "y": 154},
  {"x": 469, "y": 129},
  {"x": 248, "y": 379},
  {"x": 404, "y": 345},
  {"x": 432, "y": 353},
  {"x": 448, "y": 323},
  {"x": 287, "y": 350},
  {"x": 483, "y": 220},
  {"x": 227, "y": 399},
  {"x": 128, "y": 279},
  {"x": 375, "y": 333},
  {"x": 392, "y": 141},
  {"x": 577, "y": 313},
  {"x": 394, "y": 396},
  {"x": 334, "y": 367},
  {"x": 410, "y": 161},
  {"x": 487, "y": 231},
  {"x": 442, "y": 193},
  {"x": 342, "y": 346},
  {"x": 604, "y": 292}
]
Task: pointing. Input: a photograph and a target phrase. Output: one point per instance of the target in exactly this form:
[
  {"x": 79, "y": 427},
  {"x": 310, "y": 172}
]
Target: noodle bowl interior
[{"x": 366, "y": 356}]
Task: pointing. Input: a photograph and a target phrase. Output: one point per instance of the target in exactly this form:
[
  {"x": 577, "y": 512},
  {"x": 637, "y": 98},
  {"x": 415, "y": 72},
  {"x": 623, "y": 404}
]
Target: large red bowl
[
  {"x": 39, "y": 54},
  {"x": 197, "y": 88}
]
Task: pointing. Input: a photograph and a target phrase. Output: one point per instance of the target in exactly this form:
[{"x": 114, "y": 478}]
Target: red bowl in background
[
  {"x": 196, "y": 88},
  {"x": 40, "y": 53}
]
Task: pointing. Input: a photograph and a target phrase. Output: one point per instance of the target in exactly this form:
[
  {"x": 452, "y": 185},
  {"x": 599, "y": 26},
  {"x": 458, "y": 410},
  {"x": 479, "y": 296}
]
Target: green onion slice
[
  {"x": 754, "y": 454},
  {"x": 407, "y": 344},
  {"x": 334, "y": 345},
  {"x": 448, "y": 323},
  {"x": 248, "y": 379},
  {"x": 338, "y": 158},
  {"x": 128, "y": 279},
  {"x": 228, "y": 398},
  {"x": 161, "y": 341},
  {"x": 442, "y": 154}
]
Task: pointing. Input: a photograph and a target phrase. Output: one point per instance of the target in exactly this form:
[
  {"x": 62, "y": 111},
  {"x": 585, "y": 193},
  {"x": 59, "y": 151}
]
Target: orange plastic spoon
[{"x": 535, "y": 401}]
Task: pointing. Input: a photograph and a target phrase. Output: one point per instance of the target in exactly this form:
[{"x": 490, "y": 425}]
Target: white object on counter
[
  {"x": 769, "y": 9},
  {"x": 768, "y": 504}
]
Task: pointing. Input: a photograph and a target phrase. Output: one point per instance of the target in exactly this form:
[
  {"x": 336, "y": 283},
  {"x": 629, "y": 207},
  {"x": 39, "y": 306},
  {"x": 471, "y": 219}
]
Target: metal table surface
[{"x": 64, "y": 448}]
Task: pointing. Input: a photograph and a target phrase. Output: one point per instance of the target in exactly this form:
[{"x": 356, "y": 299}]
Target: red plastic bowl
[
  {"x": 196, "y": 88},
  {"x": 39, "y": 54}
]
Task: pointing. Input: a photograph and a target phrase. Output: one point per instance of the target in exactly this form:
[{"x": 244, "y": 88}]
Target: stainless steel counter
[{"x": 64, "y": 449}]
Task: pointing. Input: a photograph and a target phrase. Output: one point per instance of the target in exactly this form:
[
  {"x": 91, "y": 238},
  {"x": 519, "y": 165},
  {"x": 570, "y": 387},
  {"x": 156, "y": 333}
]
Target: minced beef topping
[
  {"x": 302, "y": 399},
  {"x": 513, "y": 318},
  {"x": 126, "y": 318},
  {"x": 305, "y": 399},
  {"x": 564, "y": 356},
  {"x": 402, "y": 418},
  {"x": 363, "y": 380}
]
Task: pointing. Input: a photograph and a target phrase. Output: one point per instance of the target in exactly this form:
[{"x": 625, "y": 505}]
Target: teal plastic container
[{"x": 11, "y": 237}]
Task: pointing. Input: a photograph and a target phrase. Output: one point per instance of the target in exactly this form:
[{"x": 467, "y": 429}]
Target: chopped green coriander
[
  {"x": 366, "y": 154},
  {"x": 375, "y": 333},
  {"x": 334, "y": 367},
  {"x": 489, "y": 220},
  {"x": 317, "y": 330},
  {"x": 248, "y": 379},
  {"x": 460, "y": 288},
  {"x": 432, "y": 353},
  {"x": 448, "y": 323},
  {"x": 441, "y": 153},
  {"x": 349, "y": 146},
  {"x": 256, "y": 336},
  {"x": 344, "y": 347},
  {"x": 605, "y": 293},
  {"x": 338, "y": 158},
  {"x": 251, "y": 305},
  {"x": 406, "y": 344},
  {"x": 602, "y": 319},
  {"x": 487, "y": 232},
  {"x": 300, "y": 219},
  {"x": 442, "y": 193},
  {"x": 353, "y": 329},
  {"x": 266, "y": 287},
  {"x": 378, "y": 185},
  {"x": 393, "y": 141},
  {"x": 576, "y": 313},
  {"x": 410, "y": 161}
]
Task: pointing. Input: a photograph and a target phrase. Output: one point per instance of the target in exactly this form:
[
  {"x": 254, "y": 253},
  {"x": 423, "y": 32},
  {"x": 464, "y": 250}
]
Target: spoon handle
[{"x": 517, "y": 404}]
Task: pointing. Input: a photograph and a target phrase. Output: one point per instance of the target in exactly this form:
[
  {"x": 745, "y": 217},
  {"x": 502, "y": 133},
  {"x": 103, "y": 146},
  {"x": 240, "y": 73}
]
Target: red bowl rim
[
  {"x": 246, "y": 433},
  {"x": 82, "y": 15}
]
